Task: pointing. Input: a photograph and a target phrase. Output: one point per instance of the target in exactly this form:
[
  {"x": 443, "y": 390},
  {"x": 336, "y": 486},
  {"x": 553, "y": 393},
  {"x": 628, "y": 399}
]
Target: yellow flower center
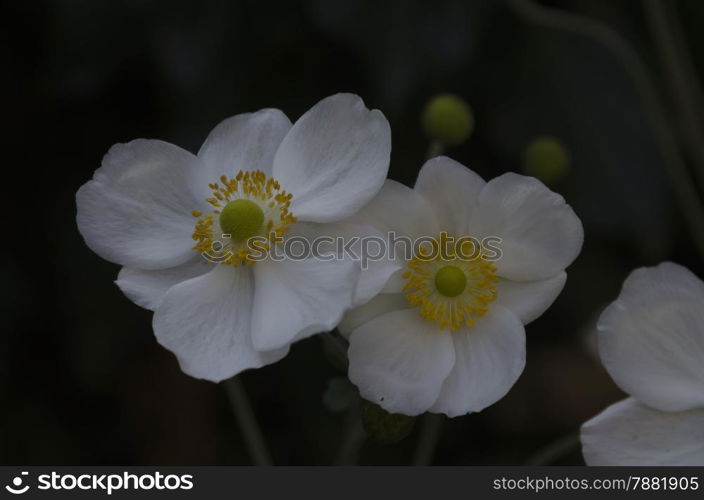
[
  {"x": 245, "y": 206},
  {"x": 242, "y": 219},
  {"x": 450, "y": 281},
  {"x": 450, "y": 290}
]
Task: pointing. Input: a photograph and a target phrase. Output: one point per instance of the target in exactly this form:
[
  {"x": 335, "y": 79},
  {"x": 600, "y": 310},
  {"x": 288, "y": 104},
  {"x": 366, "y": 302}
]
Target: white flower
[
  {"x": 153, "y": 208},
  {"x": 447, "y": 335},
  {"x": 651, "y": 341}
]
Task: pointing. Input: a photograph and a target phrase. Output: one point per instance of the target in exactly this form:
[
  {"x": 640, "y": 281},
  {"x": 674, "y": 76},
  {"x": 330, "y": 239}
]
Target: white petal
[
  {"x": 404, "y": 216},
  {"x": 399, "y": 361},
  {"x": 529, "y": 299},
  {"x": 206, "y": 323},
  {"x": 402, "y": 210},
  {"x": 137, "y": 209},
  {"x": 540, "y": 233},
  {"x": 452, "y": 190},
  {"x": 294, "y": 299},
  {"x": 146, "y": 288},
  {"x": 395, "y": 282},
  {"x": 381, "y": 304},
  {"x": 489, "y": 358},
  {"x": 334, "y": 159},
  {"x": 347, "y": 240},
  {"x": 244, "y": 142},
  {"x": 651, "y": 339},
  {"x": 629, "y": 433}
]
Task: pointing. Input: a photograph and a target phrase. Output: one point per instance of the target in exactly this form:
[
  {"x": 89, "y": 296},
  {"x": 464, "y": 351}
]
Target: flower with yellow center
[
  {"x": 180, "y": 224},
  {"x": 447, "y": 335}
]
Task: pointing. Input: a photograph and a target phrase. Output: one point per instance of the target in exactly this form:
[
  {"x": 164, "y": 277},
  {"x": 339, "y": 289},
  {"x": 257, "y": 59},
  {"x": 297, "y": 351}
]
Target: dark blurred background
[{"x": 82, "y": 379}]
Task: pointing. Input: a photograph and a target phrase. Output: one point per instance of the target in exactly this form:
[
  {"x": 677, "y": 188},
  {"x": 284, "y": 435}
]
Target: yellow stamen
[
  {"x": 450, "y": 290},
  {"x": 247, "y": 205}
]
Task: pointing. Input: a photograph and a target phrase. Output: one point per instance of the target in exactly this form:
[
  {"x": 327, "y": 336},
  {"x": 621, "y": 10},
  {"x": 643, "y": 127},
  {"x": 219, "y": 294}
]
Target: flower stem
[
  {"x": 682, "y": 80},
  {"x": 683, "y": 188},
  {"x": 428, "y": 439},
  {"x": 555, "y": 450},
  {"x": 247, "y": 421},
  {"x": 352, "y": 441},
  {"x": 336, "y": 348}
]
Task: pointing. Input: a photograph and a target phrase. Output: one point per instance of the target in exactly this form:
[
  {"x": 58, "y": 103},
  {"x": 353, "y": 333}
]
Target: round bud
[
  {"x": 340, "y": 395},
  {"x": 546, "y": 159},
  {"x": 385, "y": 427},
  {"x": 447, "y": 119}
]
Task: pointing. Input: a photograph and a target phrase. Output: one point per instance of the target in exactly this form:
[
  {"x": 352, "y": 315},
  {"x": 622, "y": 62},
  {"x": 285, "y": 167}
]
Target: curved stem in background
[
  {"x": 555, "y": 450},
  {"x": 352, "y": 440},
  {"x": 428, "y": 439},
  {"x": 251, "y": 432},
  {"x": 681, "y": 77},
  {"x": 682, "y": 185},
  {"x": 336, "y": 346}
]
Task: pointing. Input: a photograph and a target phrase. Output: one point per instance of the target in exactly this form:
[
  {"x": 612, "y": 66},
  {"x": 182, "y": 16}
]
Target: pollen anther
[
  {"x": 451, "y": 291},
  {"x": 248, "y": 205}
]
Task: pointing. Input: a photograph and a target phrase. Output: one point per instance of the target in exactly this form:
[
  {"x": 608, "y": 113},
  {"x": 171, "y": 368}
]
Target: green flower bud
[
  {"x": 340, "y": 395},
  {"x": 546, "y": 159},
  {"x": 382, "y": 426},
  {"x": 447, "y": 119}
]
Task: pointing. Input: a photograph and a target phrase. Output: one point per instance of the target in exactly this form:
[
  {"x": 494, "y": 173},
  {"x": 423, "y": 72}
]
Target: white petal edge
[
  {"x": 244, "y": 142},
  {"x": 137, "y": 209},
  {"x": 295, "y": 299},
  {"x": 529, "y": 299},
  {"x": 401, "y": 210},
  {"x": 381, "y": 304},
  {"x": 206, "y": 323},
  {"x": 361, "y": 243},
  {"x": 540, "y": 234},
  {"x": 403, "y": 216},
  {"x": 399, "y": 361},
  {"x": 489, "y": 357},
  {"x": 651, "y": 339},
  {"x": 334, "y": 159},
  {"x": 146, "y": 288},
  {"x": 630, "y": 433},
  {"x": 452, "y": 190}
]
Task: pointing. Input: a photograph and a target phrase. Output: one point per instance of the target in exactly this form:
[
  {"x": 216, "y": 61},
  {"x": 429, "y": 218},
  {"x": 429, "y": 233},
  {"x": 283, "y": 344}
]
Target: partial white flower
[
  {"x": 651, "y": 341},
  {"x": 153, "y": 208},
  {"x": 446, "y": 335}
]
